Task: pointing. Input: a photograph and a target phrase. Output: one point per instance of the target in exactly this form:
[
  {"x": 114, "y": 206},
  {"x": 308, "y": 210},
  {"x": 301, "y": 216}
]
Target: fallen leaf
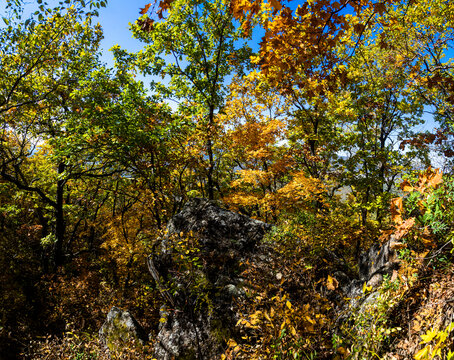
[{"x": 331, "y": 283}]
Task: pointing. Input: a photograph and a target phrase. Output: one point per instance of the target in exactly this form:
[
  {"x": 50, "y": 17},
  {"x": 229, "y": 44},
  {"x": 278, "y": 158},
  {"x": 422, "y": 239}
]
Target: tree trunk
[
  {"x": 60, "y": 225},
  {"x": 210, "y": 154}
]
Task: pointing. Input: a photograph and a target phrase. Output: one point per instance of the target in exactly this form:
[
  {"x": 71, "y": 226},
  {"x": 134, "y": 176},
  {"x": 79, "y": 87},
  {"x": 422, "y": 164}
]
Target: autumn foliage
[{"x": 306, "y": 115}]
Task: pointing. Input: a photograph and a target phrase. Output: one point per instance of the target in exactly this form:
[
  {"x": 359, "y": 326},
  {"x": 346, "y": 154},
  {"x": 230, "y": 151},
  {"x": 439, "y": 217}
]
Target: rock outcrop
[
  {"x": 378, "y": 261},
  {"x": 373, "y": 264},
  {"x": 204, "y": 283},
  {"x": 217, "y": 229}
]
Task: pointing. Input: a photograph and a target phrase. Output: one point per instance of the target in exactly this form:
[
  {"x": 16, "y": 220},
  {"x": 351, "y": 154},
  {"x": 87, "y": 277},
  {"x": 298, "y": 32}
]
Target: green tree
[
  {"x": 43, "y": 63},
  {"x": 382, "y": 110},
  {"x": 194, "y": 46}
]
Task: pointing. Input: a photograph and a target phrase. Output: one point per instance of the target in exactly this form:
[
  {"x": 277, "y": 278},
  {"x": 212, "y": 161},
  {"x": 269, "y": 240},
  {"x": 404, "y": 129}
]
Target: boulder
[
  {"x": 121, "y": 329},
  {"x": 217, "y": 229},
  {"x": 201, "y": 294},
  {"x": 184, "y": 337}
]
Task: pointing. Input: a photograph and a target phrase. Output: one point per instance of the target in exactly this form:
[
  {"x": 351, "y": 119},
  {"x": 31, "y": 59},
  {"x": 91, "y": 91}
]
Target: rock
[
  {"x": 234, "y": 291},
  {"x": 121, "y": 328},
  {"x": 216, "y": 228},
  {"x": 378, "y": 261},
  {"x": 182, "y": 337},
  {"x": 345, "y": 283},
  {"x": 202, "y": 295}
]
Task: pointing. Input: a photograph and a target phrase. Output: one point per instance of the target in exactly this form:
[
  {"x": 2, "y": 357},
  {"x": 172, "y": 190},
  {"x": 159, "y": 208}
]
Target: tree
[
  {"x": 43, "y": 66},
  {"x": 382, "y": 110},
  {"x": 254, "y": 121},
  {"x": 201, "y": 39}
]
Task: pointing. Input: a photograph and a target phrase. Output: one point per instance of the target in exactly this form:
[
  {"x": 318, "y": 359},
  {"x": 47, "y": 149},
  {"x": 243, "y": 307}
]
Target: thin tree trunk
[
  {"x": 60, "y": 225},
  {"x": 210, "y": 154}
]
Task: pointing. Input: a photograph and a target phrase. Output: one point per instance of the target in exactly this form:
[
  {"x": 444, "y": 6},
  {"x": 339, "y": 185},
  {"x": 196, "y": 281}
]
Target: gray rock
[
  {"x": 234, "y": 291},
  {"x": 378, "y": 261},
  {"x": 121, "y": 328},
  {"x": 201, "y": 320},
  {"x": 182, "y": 337},
  {"x": 216, "y": 228}
]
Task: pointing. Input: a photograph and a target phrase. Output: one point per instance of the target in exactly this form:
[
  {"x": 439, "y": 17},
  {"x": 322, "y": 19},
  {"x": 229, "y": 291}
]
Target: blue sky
[{"x": 115, "y": 19}]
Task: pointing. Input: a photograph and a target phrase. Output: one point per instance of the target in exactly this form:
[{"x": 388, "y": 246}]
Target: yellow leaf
[
  {"x": 430, "y": 334},
  {"x": 288, "y": 304},
  {"x": 331, "y": 283},
  {"x": 231, "y": 343},
  {"x": 266, "y": 316},
  {"x": 422, "y": 354},
  {"x": 293, "y": 331}
]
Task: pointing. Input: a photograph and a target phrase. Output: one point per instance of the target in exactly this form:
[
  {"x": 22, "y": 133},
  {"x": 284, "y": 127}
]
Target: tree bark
[
  {"x": 210, "y": 154},
  {"x": 60, "y": 226}
]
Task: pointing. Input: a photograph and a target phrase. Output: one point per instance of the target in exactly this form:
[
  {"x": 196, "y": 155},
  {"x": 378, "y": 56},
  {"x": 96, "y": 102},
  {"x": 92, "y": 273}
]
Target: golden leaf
[
  {"x": 396, "y": 210},
  {"x": 293, "y": 330},
  {"x": 406, "y": 186},
  {"x": 422, "y": 354},
  {"x": 331, "y": 283}
]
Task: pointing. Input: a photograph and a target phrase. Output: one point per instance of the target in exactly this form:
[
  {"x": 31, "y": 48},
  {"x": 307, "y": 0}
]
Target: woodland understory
[{"x": 306, "y": 115}]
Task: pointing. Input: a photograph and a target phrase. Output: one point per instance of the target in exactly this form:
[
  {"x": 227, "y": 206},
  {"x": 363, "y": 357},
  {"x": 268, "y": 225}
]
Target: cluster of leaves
[{"x": 424, "y": 215}]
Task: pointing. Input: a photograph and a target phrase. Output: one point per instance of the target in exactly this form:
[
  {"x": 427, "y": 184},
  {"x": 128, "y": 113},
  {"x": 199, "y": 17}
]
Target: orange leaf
[
  {"x": 436, "y": 178},
  {"x": 404, "y": 228},
  {"x": 145, "y": 9},
  {"x": 385, "y": 234},
  {"x": 396, "y": 210},
  {"x": 331, "y": 283},
  {"x": 406, "y": 186},
  {"x": 276, "y": 4}
]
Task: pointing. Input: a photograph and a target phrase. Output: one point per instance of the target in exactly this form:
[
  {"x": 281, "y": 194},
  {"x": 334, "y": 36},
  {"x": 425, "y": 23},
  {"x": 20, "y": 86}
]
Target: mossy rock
[{"x": 121, "y": 330}]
